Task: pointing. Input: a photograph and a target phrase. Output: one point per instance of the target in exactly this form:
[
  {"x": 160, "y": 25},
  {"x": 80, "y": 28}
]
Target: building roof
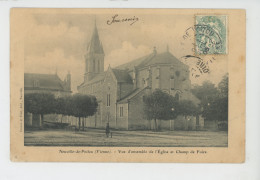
[
  {"x": 132, "y": 95},
  {"x": 97, "y": 78},
  {"x": 164, "y": 58},
  {"x": 152, "y": 59},
  {"x": 95, "y": 45},
  {"x": 122, "y": 76},
  {"x": 136, "y": 62},
  {"x": 121, "y": 72},
  {"x": 43, "y": 81}
]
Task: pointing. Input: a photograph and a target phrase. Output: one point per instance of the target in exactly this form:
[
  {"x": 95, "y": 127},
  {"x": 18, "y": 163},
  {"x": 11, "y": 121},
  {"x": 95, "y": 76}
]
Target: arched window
[
  {"x": 94, "y": 66},
  {"x": 98, "y": 66},
  {"x": 177, "y": 73},
  {"x": 177, "y": 96}
]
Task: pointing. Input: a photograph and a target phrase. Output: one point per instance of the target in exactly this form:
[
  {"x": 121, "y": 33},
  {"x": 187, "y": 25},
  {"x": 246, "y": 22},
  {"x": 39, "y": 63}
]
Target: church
[{"x": 120, "y": 90}]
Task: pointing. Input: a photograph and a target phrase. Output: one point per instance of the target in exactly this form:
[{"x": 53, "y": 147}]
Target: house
[{"x": 44, "y": 83}]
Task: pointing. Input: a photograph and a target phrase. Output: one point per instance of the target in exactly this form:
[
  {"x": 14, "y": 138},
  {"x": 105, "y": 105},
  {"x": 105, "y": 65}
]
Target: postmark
[{"x": 210, "y": 34}]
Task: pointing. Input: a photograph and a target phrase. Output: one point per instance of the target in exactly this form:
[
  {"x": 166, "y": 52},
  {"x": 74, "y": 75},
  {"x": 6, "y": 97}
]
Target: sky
[{"x": 59, "y": 41}]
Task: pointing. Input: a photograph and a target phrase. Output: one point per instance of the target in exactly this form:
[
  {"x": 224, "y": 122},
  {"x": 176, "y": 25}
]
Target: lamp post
[{"x": 171, "y": 120}]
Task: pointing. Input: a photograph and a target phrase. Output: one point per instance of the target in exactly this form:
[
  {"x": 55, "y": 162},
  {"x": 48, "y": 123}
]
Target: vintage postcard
[{"x": 128, "y": 85}]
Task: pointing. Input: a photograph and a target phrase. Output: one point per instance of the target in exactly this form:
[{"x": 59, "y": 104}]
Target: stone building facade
[
  {"x": 45, "y": 83},
  {"x": 120, "y": 90}
]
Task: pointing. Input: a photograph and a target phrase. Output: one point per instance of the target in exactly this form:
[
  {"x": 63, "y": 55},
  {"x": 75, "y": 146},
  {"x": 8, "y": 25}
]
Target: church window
[
  {"x": 108, "y": 99},
  {"x": 94, "y": 65},
  {"x": 172, "y": 83},
  {"x": 157, "y": 73},
  {"x": 177, "y": 96},
  {"x": 121, "y": 110},
  {"x": 98, "y": 66},
  {"x": 177, "y": 73}
]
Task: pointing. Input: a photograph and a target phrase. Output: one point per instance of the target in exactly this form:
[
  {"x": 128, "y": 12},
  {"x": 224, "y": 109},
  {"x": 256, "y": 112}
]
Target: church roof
[
  {"x": 122, "y": 76},
  {"x": 164, "y": 58},
  {"x": 136, "y": 62},
  {"x": 152, "y": 59},
  {"x": 132, "y": 95},
  {"x": 43, "y": 81},
  {"x": 97, "y": 78},
  {"x": 95, "y": 45}
]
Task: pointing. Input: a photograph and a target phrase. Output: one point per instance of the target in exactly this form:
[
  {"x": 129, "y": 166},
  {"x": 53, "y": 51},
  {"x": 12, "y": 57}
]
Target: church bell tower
[{"x": 94, "y": 58}]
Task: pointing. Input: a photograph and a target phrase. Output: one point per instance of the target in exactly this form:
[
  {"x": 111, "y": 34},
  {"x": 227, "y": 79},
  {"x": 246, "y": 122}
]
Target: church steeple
[
  {"x": 95, "y": 45},
  {"x": 94, "y": 59}
]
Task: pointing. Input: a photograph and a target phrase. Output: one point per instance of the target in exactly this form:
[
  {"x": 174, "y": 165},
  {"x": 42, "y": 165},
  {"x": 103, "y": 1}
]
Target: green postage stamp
[{"x": 211, "y": 34}]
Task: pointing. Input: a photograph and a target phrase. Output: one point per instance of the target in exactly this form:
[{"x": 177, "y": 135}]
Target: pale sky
[{"x": 60, "y": 41}]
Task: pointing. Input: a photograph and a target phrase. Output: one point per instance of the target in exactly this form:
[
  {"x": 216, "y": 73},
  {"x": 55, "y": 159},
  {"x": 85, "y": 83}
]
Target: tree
[
  {"x": 215, "y": 102},
  {"x": 159, "y": 105},
  {"x": 39, "y": 103},
  {"x": 223, "y": 86},
  {"x": 204, "y": 91},
  {"x": 222, "y": 103},
  {"x": 83, "y": 106},
  {"x": 187, "y": 108}
]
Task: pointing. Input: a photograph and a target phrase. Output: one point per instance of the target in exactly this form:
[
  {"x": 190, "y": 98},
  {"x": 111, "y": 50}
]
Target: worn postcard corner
[{"x": 128, "y": 85}]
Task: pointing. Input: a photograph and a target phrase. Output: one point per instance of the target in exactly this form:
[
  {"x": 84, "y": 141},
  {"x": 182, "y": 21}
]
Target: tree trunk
[
  {"x": 83, "y": 124},
  {"x": 155, "y": 125},
  {"x": 41, "y": 120},
  {"x": 79, "y": 123}
]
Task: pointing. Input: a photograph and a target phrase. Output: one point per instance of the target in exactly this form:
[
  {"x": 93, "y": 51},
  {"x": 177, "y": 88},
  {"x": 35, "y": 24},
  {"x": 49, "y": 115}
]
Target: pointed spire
[{"x": 95, "y": 46}]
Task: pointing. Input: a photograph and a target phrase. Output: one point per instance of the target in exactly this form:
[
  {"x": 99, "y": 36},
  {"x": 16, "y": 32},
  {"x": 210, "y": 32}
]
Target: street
[{"x": 97, "y": 137}]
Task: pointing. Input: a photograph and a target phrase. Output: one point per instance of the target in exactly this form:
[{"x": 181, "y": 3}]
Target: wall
[
  {"x": 142, "y": 75},
  {"x": 123, "y": 89},
  {"x": 109, "y": 112},
  {"x": 94, "y": 89},
  {"x": 122, "y": 121},
  {"x": 136, "y": 119}
]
